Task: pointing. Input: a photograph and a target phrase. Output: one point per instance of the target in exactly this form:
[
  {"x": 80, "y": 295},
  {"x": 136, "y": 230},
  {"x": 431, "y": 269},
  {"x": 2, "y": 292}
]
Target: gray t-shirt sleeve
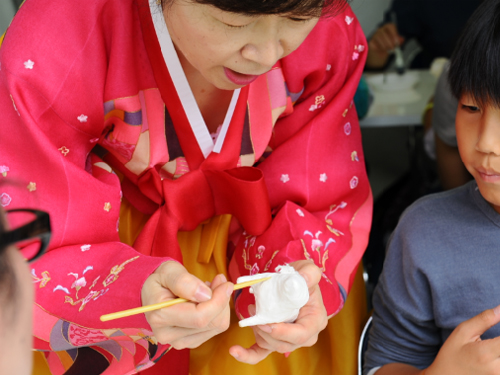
[
  {"x": 403, "y": 328},
  {"x": 445, "y": 109}
]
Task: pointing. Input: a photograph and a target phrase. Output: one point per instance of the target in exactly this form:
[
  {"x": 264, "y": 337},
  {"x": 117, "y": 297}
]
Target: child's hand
[
  {"x": 186, "y": 325},
  {"x": 465, "y": 353},
  {"x": 286, "y": 337}
]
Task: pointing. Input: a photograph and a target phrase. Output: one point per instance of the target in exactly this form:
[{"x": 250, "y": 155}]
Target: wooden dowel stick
[{"x": 161, "y": 305}]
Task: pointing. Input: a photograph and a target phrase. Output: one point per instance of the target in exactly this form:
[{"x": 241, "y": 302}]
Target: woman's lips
[{"x": 238, "y": 78}]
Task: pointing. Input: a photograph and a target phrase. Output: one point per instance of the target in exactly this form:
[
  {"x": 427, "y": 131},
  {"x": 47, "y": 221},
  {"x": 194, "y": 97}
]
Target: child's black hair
[
  {"x": 475, "y": 62},
  {"x": 299, "y": 8}
]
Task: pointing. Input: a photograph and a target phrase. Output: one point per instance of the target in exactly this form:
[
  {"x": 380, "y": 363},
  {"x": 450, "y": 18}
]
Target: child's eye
[{"x": 470, "y": 108}]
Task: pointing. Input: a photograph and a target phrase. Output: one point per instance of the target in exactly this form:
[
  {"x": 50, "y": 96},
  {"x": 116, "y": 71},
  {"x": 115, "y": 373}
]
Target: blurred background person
[{"x": 434, "y": 24}]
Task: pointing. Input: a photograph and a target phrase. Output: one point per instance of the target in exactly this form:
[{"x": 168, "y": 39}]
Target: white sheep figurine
[{"x": 278, "y": 299}]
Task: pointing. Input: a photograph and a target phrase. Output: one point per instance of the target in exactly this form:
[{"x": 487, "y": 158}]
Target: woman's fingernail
[
  {"x": 235, "y": 355},
  {"x": 496, "y": 310},
  {"x": 223, "y": 277},
  {"x": 229, "y": 290},
  {"x": 266, "y": 328},
  {"x": 203, "y": 293}
]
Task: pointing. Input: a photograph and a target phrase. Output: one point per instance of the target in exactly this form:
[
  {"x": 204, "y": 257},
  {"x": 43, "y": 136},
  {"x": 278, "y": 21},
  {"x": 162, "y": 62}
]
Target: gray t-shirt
[
  {"x": 445, "y": 109},
  {"x": 442, "y": 268}
]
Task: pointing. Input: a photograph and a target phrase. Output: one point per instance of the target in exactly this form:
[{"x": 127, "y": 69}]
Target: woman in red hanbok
[{"x": 227, "y": 143}]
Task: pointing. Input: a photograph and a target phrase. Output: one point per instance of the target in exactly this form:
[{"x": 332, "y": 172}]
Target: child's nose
[{"x": 489, "y": 137}]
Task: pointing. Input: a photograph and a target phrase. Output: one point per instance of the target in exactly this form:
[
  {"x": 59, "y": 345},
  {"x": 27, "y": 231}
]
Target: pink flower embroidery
[
  {"x": 347, "y": 128},
  {"x": 5, "y": 199},
  {"x": 284, "y": 178},
  {"x": 3, "y": 170},
  {"x": 260, "y": 251},
  {"x": 29, "y": 64},
  {"x": 80, "y": 283},
  {"x": 252, "y": 241},
  {"x": 355, "y": 55},
  {"x": 354, "y": 182},
  {"x": 348, "y": 20},
  {"x": 323, "y": 177},
  {"x": 316, "y": 244},
  {"x": 85, "y": 247},
  {"x": 254, "y": 270}
]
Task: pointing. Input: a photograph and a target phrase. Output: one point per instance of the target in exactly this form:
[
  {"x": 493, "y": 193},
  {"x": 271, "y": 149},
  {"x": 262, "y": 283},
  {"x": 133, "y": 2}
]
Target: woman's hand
[
  {"x": 465, "y": 353},
  {"x": 189, "y": 324},
  {"x": 383, "y": 41},
  {"x": 286, "y": 337}
]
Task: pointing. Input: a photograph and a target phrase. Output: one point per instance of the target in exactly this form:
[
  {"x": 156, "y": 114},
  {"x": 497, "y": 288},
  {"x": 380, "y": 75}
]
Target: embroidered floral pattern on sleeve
[
  {"x": 61, "y": 339},
  {"x": 80, "y": 283}
]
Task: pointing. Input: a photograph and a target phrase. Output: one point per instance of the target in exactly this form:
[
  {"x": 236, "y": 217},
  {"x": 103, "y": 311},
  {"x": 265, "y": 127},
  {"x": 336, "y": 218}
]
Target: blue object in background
[{"x": 363, "y": 98}]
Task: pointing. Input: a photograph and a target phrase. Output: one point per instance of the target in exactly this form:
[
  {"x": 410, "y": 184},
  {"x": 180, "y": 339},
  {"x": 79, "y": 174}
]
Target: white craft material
[{"x": 278, "y": 299}]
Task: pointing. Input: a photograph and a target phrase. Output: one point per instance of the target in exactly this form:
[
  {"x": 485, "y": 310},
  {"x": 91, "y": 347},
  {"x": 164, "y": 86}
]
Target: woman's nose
[{"x": 266, "y": 51}]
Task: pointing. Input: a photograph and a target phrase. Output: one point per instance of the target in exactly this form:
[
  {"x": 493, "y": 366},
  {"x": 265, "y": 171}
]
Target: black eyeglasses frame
[{"x": 37, "y": 228}]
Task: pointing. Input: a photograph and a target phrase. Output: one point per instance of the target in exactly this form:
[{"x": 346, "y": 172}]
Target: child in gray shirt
[{"x": 436, "y": 304}]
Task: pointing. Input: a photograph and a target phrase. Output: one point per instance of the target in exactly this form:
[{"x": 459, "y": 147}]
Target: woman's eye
[
  {"x": 295, "y": 19},
  {"x": 234, "y": 26},
  {"x": 470, "y": 108}
]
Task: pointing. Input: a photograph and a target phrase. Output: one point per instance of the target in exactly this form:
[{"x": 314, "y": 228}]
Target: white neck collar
[{"x": 184, "y": 91}]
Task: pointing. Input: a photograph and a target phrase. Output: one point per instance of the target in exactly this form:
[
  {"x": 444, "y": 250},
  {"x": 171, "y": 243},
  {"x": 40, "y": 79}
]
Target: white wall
[{"x": 6, "y": 14}]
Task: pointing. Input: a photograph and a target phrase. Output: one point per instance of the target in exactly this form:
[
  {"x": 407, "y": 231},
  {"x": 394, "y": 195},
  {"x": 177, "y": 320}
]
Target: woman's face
[
  {"x": 16, "y": 340},
  {"x": 230, "y": 50}
]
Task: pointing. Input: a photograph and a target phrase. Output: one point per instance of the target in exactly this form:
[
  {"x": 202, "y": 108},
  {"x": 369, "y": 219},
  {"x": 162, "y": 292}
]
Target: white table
[{"x": 400, "y": 108}]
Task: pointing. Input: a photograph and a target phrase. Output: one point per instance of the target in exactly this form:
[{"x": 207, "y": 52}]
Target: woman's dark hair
[
  {"x": 303, "y": 8},
  {"x": 475, "y": 62}
]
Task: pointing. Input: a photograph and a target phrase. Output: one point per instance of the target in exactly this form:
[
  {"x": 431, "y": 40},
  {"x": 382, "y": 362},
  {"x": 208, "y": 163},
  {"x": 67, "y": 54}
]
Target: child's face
[
  {"x": 478, "y": 137},
  {"x": 230, "y": 50}
]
